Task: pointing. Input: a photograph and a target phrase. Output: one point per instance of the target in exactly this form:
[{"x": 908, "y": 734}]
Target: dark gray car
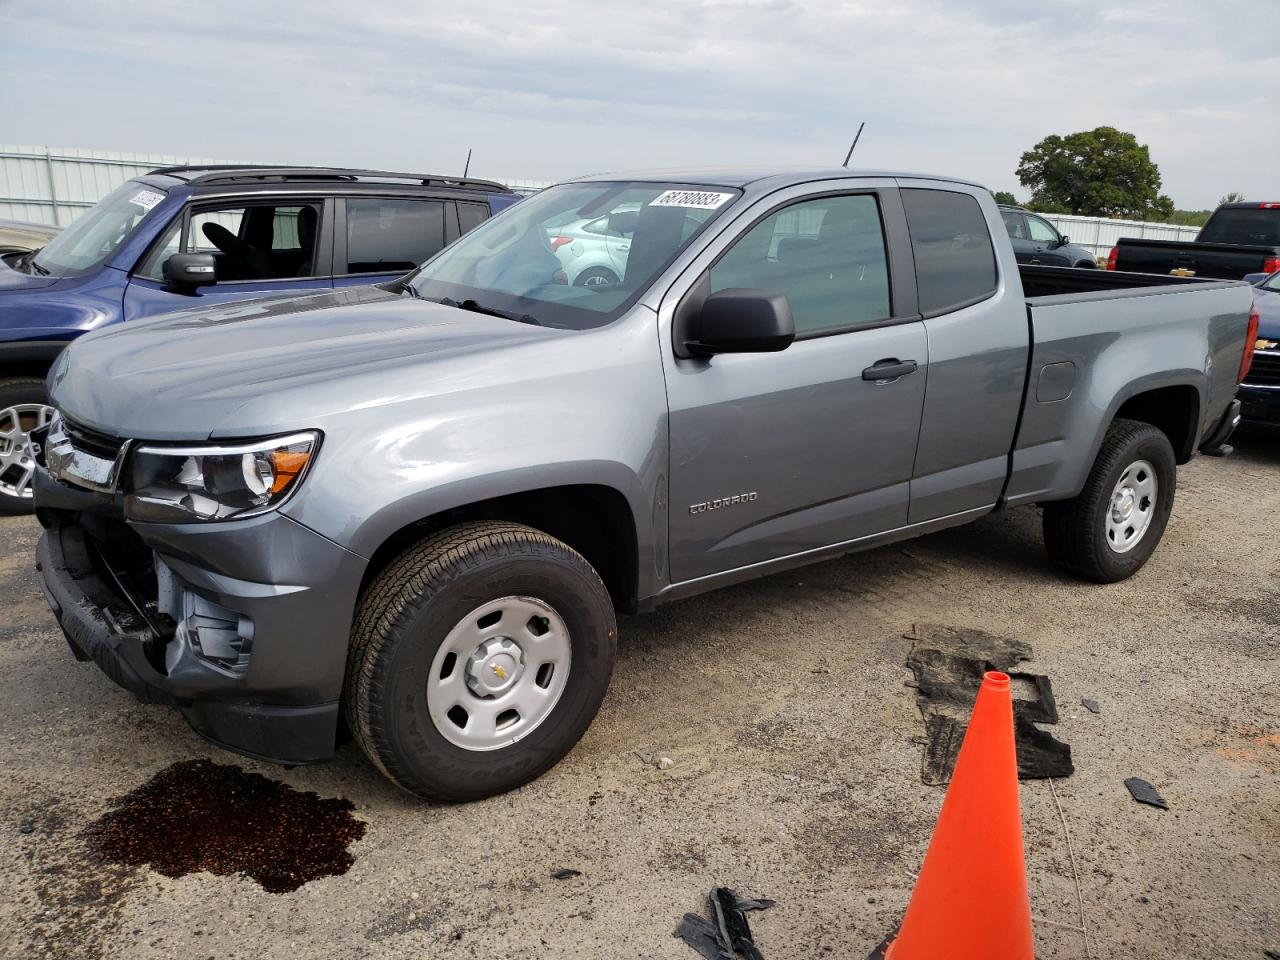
[
  {"x": 417, "y": 505},
  {"x": 1036, "y": 241}
]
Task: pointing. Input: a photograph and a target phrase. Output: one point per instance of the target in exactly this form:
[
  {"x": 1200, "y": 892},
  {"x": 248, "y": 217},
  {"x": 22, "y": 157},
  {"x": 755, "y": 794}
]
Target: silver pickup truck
[{"x": 417, "y": 506}]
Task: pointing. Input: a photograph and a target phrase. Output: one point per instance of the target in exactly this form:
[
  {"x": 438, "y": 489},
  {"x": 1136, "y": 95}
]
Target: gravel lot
[{"x": 796, "y": 774}]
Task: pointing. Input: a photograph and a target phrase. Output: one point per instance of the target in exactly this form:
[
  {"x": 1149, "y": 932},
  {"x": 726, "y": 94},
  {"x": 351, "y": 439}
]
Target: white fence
[
  {"x": 1098, "y": 236},
  {"x": 55, "y": 185}
]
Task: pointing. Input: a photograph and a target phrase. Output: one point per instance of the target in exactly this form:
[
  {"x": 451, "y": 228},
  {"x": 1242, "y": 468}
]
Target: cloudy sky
[{"x": 553, "y": 89}]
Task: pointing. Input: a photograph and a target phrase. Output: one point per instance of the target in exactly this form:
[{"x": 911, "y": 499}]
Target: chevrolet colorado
[{"x": 416, "y": 506}]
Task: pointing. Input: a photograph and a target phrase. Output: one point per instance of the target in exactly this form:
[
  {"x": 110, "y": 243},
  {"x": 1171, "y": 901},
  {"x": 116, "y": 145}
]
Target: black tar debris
[{"x": 1144, "y": 792}]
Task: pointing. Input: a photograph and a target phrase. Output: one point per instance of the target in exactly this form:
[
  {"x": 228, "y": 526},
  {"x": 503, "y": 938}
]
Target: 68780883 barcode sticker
[{"x": 698, "y": 199}]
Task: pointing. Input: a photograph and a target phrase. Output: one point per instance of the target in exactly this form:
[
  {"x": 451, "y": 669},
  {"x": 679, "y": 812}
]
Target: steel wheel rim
[
  {"x": 1132, "y": 505},
  {"x": 499, "y": 673},
  {"x": 16, "y": 465}
]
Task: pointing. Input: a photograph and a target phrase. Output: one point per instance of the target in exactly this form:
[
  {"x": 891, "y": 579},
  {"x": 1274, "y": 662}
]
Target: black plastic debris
[
  {"x": 948, "y": 665},
  {"x": 1144, "y": 792},
  {"x": 566, "y": 873},
  {"x": 1091, "y": 705},
  {"x": 727, "y": 935}
]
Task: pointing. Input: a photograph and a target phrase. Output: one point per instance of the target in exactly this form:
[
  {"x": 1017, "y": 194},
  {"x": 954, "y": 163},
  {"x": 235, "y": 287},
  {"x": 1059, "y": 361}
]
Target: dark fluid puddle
[{"x": 202, "y": 816}]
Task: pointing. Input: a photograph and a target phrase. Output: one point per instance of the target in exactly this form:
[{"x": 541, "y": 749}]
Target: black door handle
[{"x": 889, "y": 370}]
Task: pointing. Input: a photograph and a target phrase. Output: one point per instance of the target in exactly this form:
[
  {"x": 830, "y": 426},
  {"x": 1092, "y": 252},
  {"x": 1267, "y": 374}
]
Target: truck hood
[{"x": 236, "y": 369}]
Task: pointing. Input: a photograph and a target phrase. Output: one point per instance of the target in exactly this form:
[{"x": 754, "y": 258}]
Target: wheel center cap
[
  {"x": 495, "y": 666},
  {"x": 1122, "y": 509}
]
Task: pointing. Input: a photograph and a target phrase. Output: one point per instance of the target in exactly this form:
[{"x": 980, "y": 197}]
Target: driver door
[
  {"x": 777, "y": 454},
  {"x": 274, "y": 246}
]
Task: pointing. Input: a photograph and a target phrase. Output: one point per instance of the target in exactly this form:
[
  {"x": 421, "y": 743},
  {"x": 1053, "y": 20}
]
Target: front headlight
[{"x": 216, "y": 482}]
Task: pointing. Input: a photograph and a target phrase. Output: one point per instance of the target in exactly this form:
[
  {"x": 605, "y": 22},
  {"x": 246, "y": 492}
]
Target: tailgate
[{"x": 1219, "y": 261}]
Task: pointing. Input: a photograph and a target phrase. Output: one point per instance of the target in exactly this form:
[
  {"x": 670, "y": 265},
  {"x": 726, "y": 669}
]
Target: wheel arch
[{"x": 595, "y": 519}]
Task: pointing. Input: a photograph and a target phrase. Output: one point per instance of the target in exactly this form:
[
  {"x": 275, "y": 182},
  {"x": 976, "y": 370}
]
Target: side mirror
[
  {"x": 1255, "y": 278},
  {"x": 1063, "y": 240},
  {"x": 185, "y": 271},
  {"x": 740, "y": 320}
]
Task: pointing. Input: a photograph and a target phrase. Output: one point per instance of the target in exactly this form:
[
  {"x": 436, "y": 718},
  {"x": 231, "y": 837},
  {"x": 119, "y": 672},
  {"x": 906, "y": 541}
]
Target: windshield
[
  {"x": 1271, "y": 283},
  {"x": 573, "y": 256},
  {"x": 1243, "y": 225},
  {"x": 96, "y": 234}
]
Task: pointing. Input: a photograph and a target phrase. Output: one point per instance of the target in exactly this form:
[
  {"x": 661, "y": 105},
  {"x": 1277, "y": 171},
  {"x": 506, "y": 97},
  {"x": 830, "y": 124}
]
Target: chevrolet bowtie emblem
[
  {"x": 1266, "y": 344},
  {"x": 1182, "y": 272},
  {"x": 502, "y": 674}
]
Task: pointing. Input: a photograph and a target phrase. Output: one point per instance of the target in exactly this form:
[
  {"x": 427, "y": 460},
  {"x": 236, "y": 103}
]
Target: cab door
[
  {"x": 261, "y": 247},
  {"x": 1047, "y": 242},
  {"x": 775, "y": 454}
]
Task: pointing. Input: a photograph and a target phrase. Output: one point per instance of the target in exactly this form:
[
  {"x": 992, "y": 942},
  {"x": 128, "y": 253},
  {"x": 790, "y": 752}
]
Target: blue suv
[{"x": 183, "y": 236}]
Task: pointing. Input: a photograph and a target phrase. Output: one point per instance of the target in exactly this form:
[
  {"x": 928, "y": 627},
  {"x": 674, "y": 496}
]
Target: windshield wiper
[
  {"x": 29, "y": 263},
  {"x": 475, "y": 307}
]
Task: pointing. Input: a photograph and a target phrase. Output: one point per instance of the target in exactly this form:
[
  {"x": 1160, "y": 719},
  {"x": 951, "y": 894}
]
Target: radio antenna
[
  {"x": 854, "y": 144},
  {"x": 467, "y": 168}
]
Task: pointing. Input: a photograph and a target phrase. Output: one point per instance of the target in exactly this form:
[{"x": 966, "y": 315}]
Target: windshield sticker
[
  {"x": 698, "y": 199},
  {"x": 146, "y": 199}
]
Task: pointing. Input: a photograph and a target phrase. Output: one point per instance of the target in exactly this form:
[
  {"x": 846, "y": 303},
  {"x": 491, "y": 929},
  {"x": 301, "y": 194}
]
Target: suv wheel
[
  {"x": 1110, "y": 530},
  {"x": 479, "y": 657},
  {"x": 24, "y": 405}
]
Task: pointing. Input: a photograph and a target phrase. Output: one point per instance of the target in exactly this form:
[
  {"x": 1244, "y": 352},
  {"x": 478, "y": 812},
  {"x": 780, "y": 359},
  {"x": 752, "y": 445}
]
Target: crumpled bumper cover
[{"x": 296, "y": 587}]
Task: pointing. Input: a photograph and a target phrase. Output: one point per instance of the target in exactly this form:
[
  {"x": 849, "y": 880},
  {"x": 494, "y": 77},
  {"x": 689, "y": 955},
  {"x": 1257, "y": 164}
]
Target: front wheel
[
  {"x": 24, "y": 405},
  {"x": 1111, "y": 529},
  {"x": 478, "y": 659}
]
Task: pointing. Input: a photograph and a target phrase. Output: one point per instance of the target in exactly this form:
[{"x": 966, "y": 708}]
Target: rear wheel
[
  {"x": 24, "y": 405},
  {"x": 595, "y": 277},
  {"x": 1111, "y": 529},
  {"x": 479, "y": 657}
]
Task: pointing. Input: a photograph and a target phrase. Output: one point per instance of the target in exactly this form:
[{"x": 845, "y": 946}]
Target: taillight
[
  {"x": 1271, "y": 265},
  {"x": 1250, "y": 343},
  {"x": 1111, "y": 258},
  {"x": 558, "y": 242}
]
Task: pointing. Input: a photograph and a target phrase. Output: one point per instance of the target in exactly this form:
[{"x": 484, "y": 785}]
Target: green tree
[
  {"x": 1095, "y": 173},
  {"x": 1006, "y": 198},
  {"x": 1233, "y": 197}
]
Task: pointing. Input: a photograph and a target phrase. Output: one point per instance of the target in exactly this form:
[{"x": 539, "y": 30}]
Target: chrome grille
[{"x": 1265, "y": 371}]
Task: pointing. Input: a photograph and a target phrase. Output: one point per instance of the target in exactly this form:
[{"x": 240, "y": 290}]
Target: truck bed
[
  {"x": 1093, "y": 334},
  {"x": 1040, "y": 283}
]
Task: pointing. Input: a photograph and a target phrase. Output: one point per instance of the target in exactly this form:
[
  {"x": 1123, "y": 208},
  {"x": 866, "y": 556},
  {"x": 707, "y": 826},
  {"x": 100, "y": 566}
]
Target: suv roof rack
[{"x": 232, "y": 173}]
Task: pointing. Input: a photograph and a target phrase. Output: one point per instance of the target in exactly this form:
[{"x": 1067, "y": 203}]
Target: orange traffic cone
[{"x": 970, "y": 902}]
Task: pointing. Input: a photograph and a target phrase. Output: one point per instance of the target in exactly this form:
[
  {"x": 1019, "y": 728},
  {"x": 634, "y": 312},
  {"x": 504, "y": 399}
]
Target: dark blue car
[
  {"x": 180, "y": 237},
  {"x": 1260, "y": 391}
]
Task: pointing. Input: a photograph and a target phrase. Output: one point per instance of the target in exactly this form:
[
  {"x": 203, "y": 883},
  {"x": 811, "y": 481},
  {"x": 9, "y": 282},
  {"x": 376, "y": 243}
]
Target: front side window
[
  {"x": 955, "y": 262},
  {"x": 509, "y": 265},
  {"x": 1013, "y": 223},
  {"x": 392, "y": 236},
  {"x": 257, "y": 242},
  {"x": 93, "y": 237},
  {"x": 827, "y": 256},
  {"x": 1041, "y": 231}
]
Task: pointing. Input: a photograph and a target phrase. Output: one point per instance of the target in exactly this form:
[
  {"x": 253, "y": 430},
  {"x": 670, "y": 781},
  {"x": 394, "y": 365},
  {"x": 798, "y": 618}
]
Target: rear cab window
[
  {"x": 955, "y": 262},
  {"x": 1258, "y": 225}
]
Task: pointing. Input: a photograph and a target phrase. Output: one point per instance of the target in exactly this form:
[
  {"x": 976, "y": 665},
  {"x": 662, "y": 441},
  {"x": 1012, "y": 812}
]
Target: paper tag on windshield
[
  {"x": 698, "y": 199},
  {"x": 146, "y": 199}
]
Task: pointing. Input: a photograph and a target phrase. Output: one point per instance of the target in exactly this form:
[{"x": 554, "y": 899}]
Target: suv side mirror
[
  {"x": 740, "y": 320},
  {"x": 1063, "y": 240},
  {"x": 186, "y": 271}
]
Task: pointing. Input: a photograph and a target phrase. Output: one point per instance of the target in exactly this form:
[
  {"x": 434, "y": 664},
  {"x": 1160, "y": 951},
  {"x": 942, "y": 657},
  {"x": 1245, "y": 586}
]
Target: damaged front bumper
[{"x": 242, "y": 625}]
